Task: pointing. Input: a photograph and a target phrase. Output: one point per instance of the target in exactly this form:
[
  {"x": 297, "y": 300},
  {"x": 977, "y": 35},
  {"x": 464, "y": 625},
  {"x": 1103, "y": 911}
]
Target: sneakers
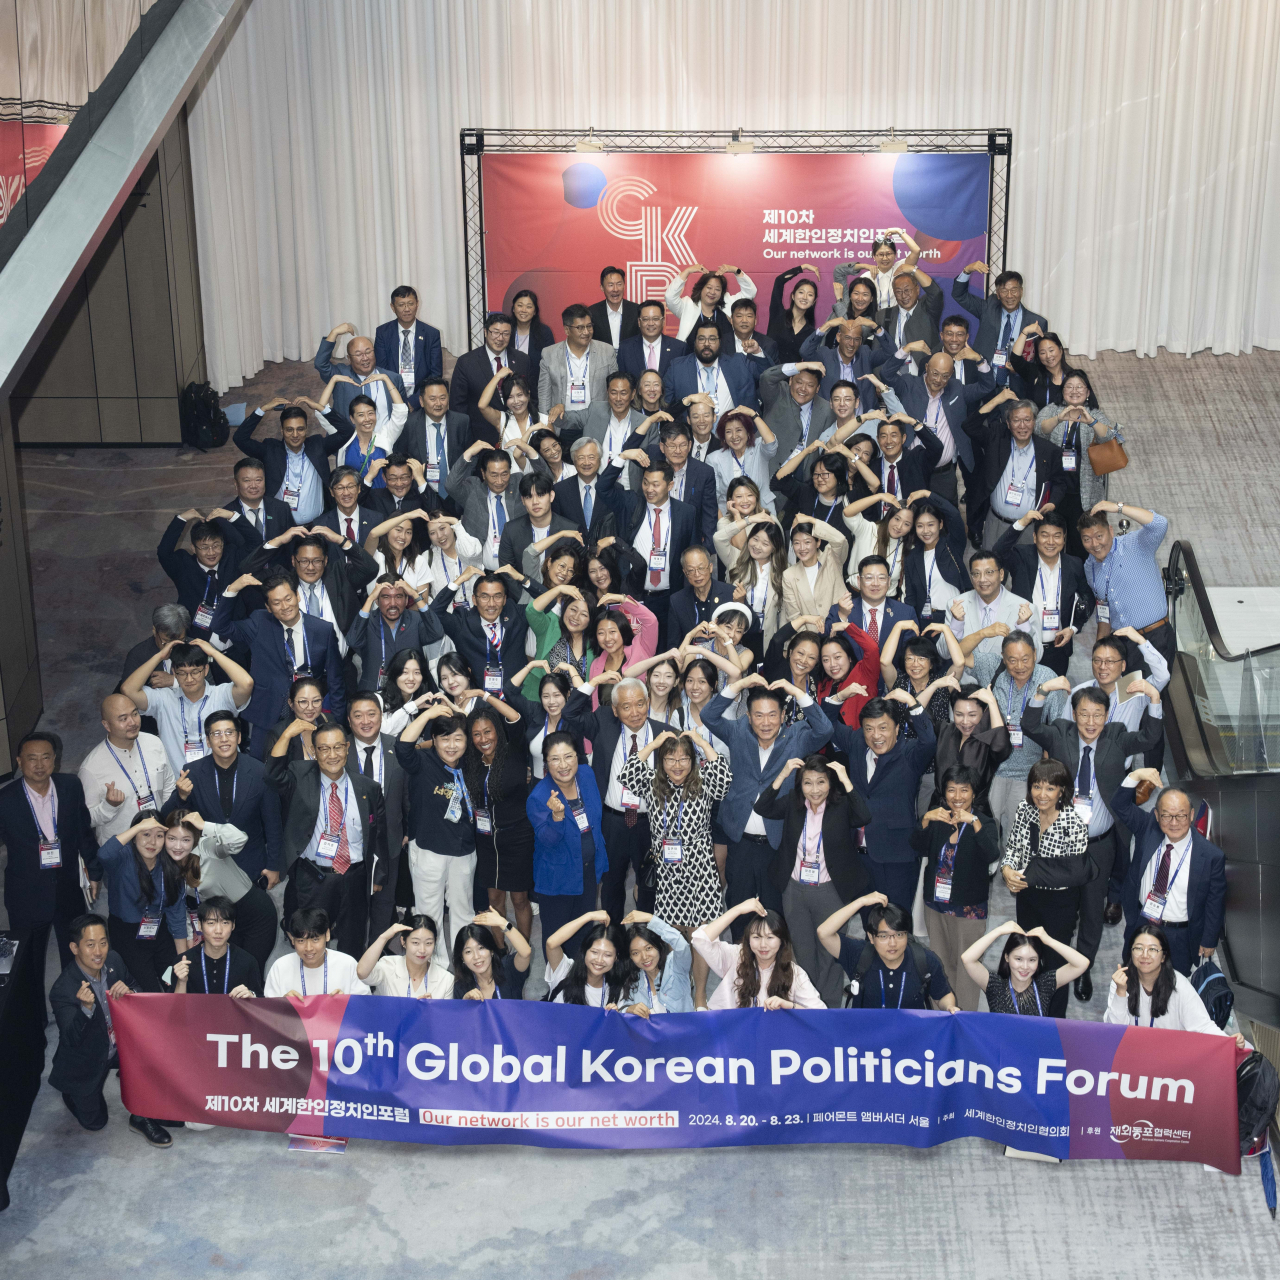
[{"x": 153, "y": 1133}]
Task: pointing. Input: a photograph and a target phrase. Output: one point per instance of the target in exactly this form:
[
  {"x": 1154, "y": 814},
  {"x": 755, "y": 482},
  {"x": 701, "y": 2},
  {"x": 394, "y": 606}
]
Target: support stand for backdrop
[{"x": 475, "y": 143}]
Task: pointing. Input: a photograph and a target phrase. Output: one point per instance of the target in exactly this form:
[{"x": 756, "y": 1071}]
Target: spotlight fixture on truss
[
  {"x": 894, "y": 144},
  {"x": 738, "y": 146},
  {"x": 589, "y": 143}
]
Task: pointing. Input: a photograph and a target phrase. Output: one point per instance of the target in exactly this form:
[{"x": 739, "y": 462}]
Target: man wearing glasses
[
  {"x": 576, "y": 371},
  {"x": 348, "y": 517},
  {"x": 335, "y": 832}
]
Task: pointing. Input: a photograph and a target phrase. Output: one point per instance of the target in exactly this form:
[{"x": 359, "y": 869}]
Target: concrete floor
[{"x": 218, "y": 1202}]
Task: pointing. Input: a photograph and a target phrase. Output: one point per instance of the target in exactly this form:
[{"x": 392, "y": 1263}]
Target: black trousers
[
  {"x": 659, "y": 604},
  {"x": 1093, "y": 897},
  {"x": 747, "y": 871},
  {"x": 145, "y": 958},
  {"x": 1055, "y": 910},
  {"x": 67, "y": 906},
  {"x": 943, "y": 482},
  {"x": 1057, "y": 660},
  {"x": 256, "y": 926},
  {"x": 90, "y": 1105},
  {"x": 345, "y": 897},
  {"x": 382, "y": 905},
  {"x": 628, "y": 847}
]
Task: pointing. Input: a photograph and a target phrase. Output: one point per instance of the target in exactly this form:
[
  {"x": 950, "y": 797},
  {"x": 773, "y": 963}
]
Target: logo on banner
[{"x": 650, "y": 274}]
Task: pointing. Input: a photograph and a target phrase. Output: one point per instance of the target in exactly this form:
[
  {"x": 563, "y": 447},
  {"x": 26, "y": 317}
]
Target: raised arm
[
  {"x": 830, "y": 929},
  {"x": 555, "y": 943}
]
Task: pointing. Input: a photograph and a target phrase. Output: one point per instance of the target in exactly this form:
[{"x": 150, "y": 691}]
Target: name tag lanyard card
[
  {"x": 1155, "y": 904},
  {"x": 1084, "y": 808},
  {"x": 484, "y": 822},
  {"x": 436, "y": 456},
  {"x": 927, "y": 611},
  {"x": 1050, "y": 619},
  {"x": 942, "y": 881},
  {"x": 382, "y": 637},
  {"x": 578, "y": 809},
  {"x": 204, "y": 610},
  {"x": 1014, "y": 492},
  {"x": 1070, "y": 455},
  {"x": 578, "y": 385},
  {"x": 658, "y": 555},
  {"x": 146, "y": 799},
  {"x": 1104, "y": 609},
  {"x": 811, "y": 866},
  {"x": 1015, "y": 731},
  {"x": 50, "y": 845},
  {"x": 493, "y": 659},
  {"x": 673, "y": 844},
  {"x": 291, "y": 491},
  {"x": 305, "y": 669},
  {"x": 192, "y": 748},
  {"x": 327, "y": 845}
]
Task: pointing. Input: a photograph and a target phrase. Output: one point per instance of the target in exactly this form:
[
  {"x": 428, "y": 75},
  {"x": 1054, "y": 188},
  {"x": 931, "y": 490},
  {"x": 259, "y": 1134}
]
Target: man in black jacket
[
  {"x": 201, "y": 573},
  {"x": 81, "y": 999},
  {"x": 614, "y": 318},
  {"x": 474, "y": 370},
  {"x": 402, "y": 622},
  {"x": 437, "y": 437},
  {"x": 699, "y": 598}
]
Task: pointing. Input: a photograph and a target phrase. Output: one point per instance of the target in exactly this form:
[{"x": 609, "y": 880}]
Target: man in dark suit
[
  {"x": 968, "y": 362},
  {"x": 903, "y": 469},
  {"x": 284, "y": 643},
  {"x": 296, "y": 465},
  {"x": 491, "y": 635},
  {"x": 361, "y": 367},
  {"x": 397, "y": 626},
  {"x": 436, "y": 436},
  {"x": 1094, "y": 753},
  {"x": 408, "y": 345},
  {"x": 1176, "y": 878},
  {"x": 539, "y": 521},
  {"x": 484, "y": 484},
  {"x": 914, "y": 319},
  {"x": 201, "y": 574},
  {"x": 889, "y": 786},
  {"x": 45, "y": 825},
  {"x": 373, "y": 754},
  {"x": 694, "y": 483},
  {"x": 1053, "y": 581},
  {"x": 659, "y": 527},
  {"x": 848, "y": 360},
  {"x": 406, "y": 487},
  {"x": 1001, "y": 318},
  {"x": 1021, "y": 469},
  {"x": 335, "y": 851},
  {"x": 649, "y": 347},
  {"x": 575, "y": 494},
  {"x": 347, "y": 517},
  {"x": 699, "y": 598},
  {"x": 252, "y": 517},
  {"x": 742, "y": 320},
  {"x": 81, "y": 999},
  {"x": 608, "y": 420},
  {"x": 615, "y": 318},
  {"x": 730, "y": 380},
  {"x": 474, "y": 370},
  {"x": 792, "y": 408}
]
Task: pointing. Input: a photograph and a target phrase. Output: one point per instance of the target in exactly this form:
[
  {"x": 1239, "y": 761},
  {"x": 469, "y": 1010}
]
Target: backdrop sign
[
  {"x": 553, "y": 221},
  {"x": 460, "y": 1071}
]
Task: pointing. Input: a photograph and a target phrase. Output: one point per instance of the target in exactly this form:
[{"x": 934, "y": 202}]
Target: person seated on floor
[
  {"x": 216, "y": 968},
  {"x": 313, "y": 969}
]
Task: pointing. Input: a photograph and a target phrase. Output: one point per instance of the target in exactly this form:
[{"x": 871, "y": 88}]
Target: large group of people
[{"x": 693, "y": 636}]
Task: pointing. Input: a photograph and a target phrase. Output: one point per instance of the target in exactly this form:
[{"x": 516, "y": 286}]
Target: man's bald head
[
  {"x": 938, "y": 372},
  {"x": 360, "y": 354},
  {"x": 121, "y": 719}
]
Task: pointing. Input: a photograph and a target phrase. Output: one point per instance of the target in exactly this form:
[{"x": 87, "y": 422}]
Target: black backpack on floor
[
  {"x": 203, "y": 423},
  {"x": 1257, "y": 1095}
]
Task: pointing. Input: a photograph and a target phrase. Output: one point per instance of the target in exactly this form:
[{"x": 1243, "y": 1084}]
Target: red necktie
[
  {"x": 351, "y": 533},
  {"x": 1161, "y": 885},
  {"x": 337, "y": 822},
  {"x": 655, "y": 575},
  {"x": 874, "y": 629},
  {"x": 497, "y": 364}
]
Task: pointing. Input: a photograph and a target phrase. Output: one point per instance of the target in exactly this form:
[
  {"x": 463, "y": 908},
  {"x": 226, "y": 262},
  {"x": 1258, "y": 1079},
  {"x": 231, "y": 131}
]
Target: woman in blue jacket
[
  {"x": 569, "y": 857},
  {"x": 662, "y": 959}
]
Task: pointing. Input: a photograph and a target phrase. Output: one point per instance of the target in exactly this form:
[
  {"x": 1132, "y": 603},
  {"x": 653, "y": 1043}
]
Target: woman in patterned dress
[{"x": 680, "y": 794}]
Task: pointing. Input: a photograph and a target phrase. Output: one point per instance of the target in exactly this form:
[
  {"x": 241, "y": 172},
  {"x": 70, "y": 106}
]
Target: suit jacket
[
  {"x": 84, "y": 1044},
  {"x": 629, "y": 509},
  {"x": 867, "y": 359},
  {"x": 592, "y": 423},
  {"x": 363, "y": 521},
  {"x": 346, "y": 575},
  {"x": 840, "y": 823},
  {"x": 959, "y": 400},
  {"x": 997, "y": 444},
  {"x": 395, "y": 792},
  {"x": 540, "y": 338},
  {"x": 553, "y": 373},
  {"x": 383, "y": 504},
  {"x": 1206, "y": 873},
  {"x": 891, "y": 793},
  {"x": 603, "y": 729},
  {"x": 1022, "y": 563},
  {"x": 427, "y": 361},
  {"x": 949, "y": 561},
  {"x": 298, "y": 786},
  {"x": 915, "y": 468},
  {"x": 990, "y": 313},
  {"x": 922, "y": 324},
  {"x": 471, "y": 494},
  {"x": 255, "y": 810},
  {"x": 472, "y": 374},
  {"x": 272, "y": 672},
  {"x": 466, "y": 629},
  {"x": 273, "y": 454},
  {"x": 631, "y": 354},
  {"x": 568, "y": 503},
  {"x": 801, "y": 738},
  {"x": 630, "y": 321},
  {"x": 699, "y": 483},
  {"x": 889, "y": 614},
  {"x": 33, "y": 896},
  {"x": 741, "y": 375},
  {"x": 190, "y": 578},
  {"x": 377, "y": 642},
  {"x": 413, "y": 444},
  {"x": 244, "y": 534},
  {"x": 783, "y": 414},
  {"x": 687, "y": 610},
  {"x": 518, "y": 537},
  {"x": 344, "y": 392},
  {"x": 768, "y": 348}
]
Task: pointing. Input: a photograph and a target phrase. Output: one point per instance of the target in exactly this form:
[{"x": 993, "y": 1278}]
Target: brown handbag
[{"x": 1106, "y": 456}]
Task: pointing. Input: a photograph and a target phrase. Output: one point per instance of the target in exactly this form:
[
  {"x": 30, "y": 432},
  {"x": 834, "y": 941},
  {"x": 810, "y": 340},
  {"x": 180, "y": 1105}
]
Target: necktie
[
  {"x": 1083, "y": 788},
  {"x": 367, "y": 767},
  {"x": 289, "y": 647},
  {"x": 893, "y": 479},
  {"x": 337, "y": 822},
  {"x": 405, "y": 358},
  {"x": 497, "y": 364},
  {"x": 653, "y": 355},
  {"x": 873, "y": 629},
  {"x": 351, "y": 533},
  {"x": 253, "y": 520},
  {"x": 499, "y": 514},
  {"x": 1006, "y": 332},
  {"x": 655, "y": 575},
  {"x": 1161, "y": 885},
  {"x": 709, "y": 382},
  {"x": 588, "y": 503},
  {"x": 440, "y": 459},
  {"x": 632, "y": 817}
]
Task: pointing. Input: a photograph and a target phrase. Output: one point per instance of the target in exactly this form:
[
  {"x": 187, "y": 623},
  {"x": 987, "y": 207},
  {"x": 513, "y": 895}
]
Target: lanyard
[
  {"x": 289, "y": 456},
  {"x": 816, "y": 855},
  {"x": 226, "y": 977},
  {"x": 382, "y": 636},
  {"x": 492, "y": 640},
  {"x": 667, "y": 543},
  {"x": 1092, "y": 748},
  {"x": 666, "y": 818},
  {"x": 1026, "y": 693},
  {"x": 641, "y": 741},
  {"x": 1111, "y": 565},
  {"x": 817, "y": 502},
  {"x": 444, "y": 564},
  {"x": 462, "y": 787},
  {"x": 365, "y": 459},
  {"x": 1168, "y": 889},
  {"x": 129, "y": 776},
  {"x": 902, "y": 990},
  {"x": 182, "y": 706},
  {"x": 312, "y": 588},
  {"x": 302, "y": 975},
  {"x": 762, "y": 585},
  {"x": 742, "y": 463},
  {"x": 53, "y": 800},
  {"x": 1044, "y": 595},
  {"x": 1013, "y": 464},
  {"x": 568, "y": 362},
  {"x": 893, "y": 563},
  {"x": 928, "y": 586},
  {"x": 425, "y": 974},
  {"x": 209, "y": 583},
  {"x": 1013, "y": 995}
]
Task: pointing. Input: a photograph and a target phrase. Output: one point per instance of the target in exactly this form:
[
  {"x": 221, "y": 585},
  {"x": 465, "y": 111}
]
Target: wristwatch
[
  {"x": 508, "y": 927},
  {"x": 1119, "y": 508}
]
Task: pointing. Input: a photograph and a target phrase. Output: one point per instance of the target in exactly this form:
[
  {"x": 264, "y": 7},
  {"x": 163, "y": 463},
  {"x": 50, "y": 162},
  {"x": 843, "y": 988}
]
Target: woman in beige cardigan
[{"x": 816, "y": 581}]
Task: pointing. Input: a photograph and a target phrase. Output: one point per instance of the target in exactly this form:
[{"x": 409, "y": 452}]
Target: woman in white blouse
[
  {"x": 757, "y": 568},
  {"x": 513, "y": 424},
  {"x": 393, "y": 544},
  {"x": 883, "y": 538},
  {"x": 406, "y": 682},
  {"x": 420, "y": 974},
  {"x": 761, "y": 970},
  {"x": 452, "y": 551},
  {"x": 749, "y": 445},
  {"x": 710, "y": 294}
]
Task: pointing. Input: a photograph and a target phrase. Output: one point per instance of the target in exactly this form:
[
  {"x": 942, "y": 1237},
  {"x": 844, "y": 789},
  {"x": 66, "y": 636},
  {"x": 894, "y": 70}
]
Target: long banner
[{"x": 462, "y": 1071}]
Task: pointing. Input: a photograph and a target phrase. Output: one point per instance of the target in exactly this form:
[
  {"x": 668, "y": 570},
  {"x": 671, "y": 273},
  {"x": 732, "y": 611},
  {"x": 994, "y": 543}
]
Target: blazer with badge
[
  {"x": 345, "y": 392},
  {"x": 362, "y": 523},
  {"x": 368, "y": 636},
  {"x": 413, "y": 444},
  {"x": 603, "y": 729},
  {"x": 991, "y": 313},
  {"x": 632, "y": 357},
  {"x": 686, "y": 608},
  {"x": 630, "y": 509},
  {"x": 921, "y": 326},
  {"x": 427, "y": 361},
  {"x": 699, "y": 483},
  {"x": 959, "y": 400},
  {"x": 346, "y": 574},
  {"x": 467, "y": 630},
  {"x": 996, "y": 442},
  {"x": 189, "y": 576},
  {"x": 274, "y": 455},
  {"x": 519, "y": 535},
  {"x": 298, "y": 785},
  {"x": 395, "y": 794},
  {"x": 867, "y": 359},
  {"x": 1022, "y": 563},
  {"x": 553, "y": 374},
  {"x": 244, "y": 533},
  {"x": 629, "y": 328},
  {"x": 568, "y": 503},
  {"x": 783, "y": 414},
  {"x": 84, "y": 1044},
  {"x": 468, "y": 489},
  {"x": 472, "y": 374},
  {"x": 741, "y": 376}
]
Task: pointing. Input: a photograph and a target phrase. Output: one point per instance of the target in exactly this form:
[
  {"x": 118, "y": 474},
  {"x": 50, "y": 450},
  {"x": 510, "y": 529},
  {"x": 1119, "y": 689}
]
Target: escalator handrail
[{"x": 1182, "y": 555}]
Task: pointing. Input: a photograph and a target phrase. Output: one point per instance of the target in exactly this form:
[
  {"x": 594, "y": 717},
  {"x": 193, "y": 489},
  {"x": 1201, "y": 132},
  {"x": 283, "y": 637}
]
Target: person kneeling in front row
[
  {"x": 313, "y": 970},
  {"x": 81, "y": 1000}
]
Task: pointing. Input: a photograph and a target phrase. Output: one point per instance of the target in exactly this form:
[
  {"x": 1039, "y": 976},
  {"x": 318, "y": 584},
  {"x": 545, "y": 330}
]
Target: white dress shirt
[
  {"x": 613, "y": 796},
  {"x": 337, "y": 973},
  {"x": 755, "y": 823},
  {"x": 615, "y": 436},
  {"x": 700, "y": 449},
  {"x": 313, "y": 599},
  {"x": 1046, "y": 593},
  {"x": 406, "y": 371},
  {"x": 144, "y": 765},
  {"x": 659, "y": 518},
  {"x": 350, "y": 815},
  {"x": 724, "y": 401},
  {"x": 493, "y": 540},
  {"x": 936, "y": 419},
  {"x": 615, "y": 323},
  {"x": 1175, "y": 909}
]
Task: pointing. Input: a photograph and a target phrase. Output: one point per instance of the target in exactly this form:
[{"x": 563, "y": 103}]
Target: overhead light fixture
[
  {"x": 736, "y": 146},
  {"x": 893, "y": 144},
  {"x": 589, "y": 143}
]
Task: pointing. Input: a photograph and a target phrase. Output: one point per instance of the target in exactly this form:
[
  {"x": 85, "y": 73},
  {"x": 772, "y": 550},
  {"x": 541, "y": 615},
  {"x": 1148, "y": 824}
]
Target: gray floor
[{"x": 219, "y": 1201}]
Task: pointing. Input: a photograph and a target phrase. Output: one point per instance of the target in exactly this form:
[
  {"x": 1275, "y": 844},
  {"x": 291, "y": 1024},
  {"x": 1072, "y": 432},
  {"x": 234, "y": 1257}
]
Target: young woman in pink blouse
[
  {"x": 624, "y": 633},
  {"x": 761, "y": 970}
]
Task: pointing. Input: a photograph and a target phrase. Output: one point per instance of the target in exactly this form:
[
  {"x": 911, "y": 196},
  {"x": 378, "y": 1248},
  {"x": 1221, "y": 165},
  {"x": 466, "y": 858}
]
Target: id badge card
[
  {"x": 580, "y": 815},
  {"x": 672, "y": 852},
  {"x": 1084, "y": 810},
  {"x": 493, "y": 679},
  {"x": 942, "y": 888},
  {"x": 433, "y": 473},
  {"x": 483, "y": 823},
  {"x": 1013, "y": 494},
  {"x": 149, "y": 927},
  {"x": 1049, "y": 624},
  {"x": 926, "y": 613},
  {"x": 203, "y": 618},
  {"x": 1104, "y": 613},
  {"x": 657, "y": 559},
  {"x": 999, "y": 359},
  {"x": 50, "y": 855},
  {"x": 862, "y": 837},
  {"x": 454, "y": 811},
  {"x": 147, "y": 801},
  {"x": 193, "y": 925},
  {"x": 809, "y": 872},
  {"x": 1068, "y": 460},
  {"x": 629, "y": 801},
  {"x": 1154, "y": 906},
  {"x": 327, "y": 849},
  {"x": 291, "y": 496},
  {"x": 1015, "y": 736},
  {"x": 577, "y": 393},
  {"x": 193, "y": 751}
]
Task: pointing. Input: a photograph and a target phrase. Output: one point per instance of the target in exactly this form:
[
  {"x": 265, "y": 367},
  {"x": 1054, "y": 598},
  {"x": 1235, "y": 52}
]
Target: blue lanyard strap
[
  {"x": 462, "y": 786},
  {"x": 146, "y": 775},
  {"x": 302, "y": 974},
  {"x": 182, "y": 706},
  {"x": 1044, "y": 595},
  {"x": 1026, "y": 694},
  {"x": 902, "y": 988},
  {"x": 1013, "y": 995}
]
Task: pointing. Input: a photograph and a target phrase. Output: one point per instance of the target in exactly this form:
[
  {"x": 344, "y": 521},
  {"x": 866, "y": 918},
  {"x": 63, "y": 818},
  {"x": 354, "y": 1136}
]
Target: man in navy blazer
[
  {"x": 475, "y": 369},
  {"x": 420, "y": 357},
  {"x": 284, "y": 643},
  {"x": 437, "y": 437},
  {"x": 201, "y": 574},
  {"x": 891, "y": 788},
  {"x": 491, "y": 635},
  {"x": 251, "y": 517},
  {"x": 847, "y": 361},
  {"x": 1193, "y": 909},
  {"x": 694, "y": 483},
  {"x": 633, "y": 352},
  {"x": 733, "y": 377},
  {"x": 1001, "y": 318},
  {"x": 700, "y": 597},
  {"x": 872, "y": 611},
  {"x": 298, "y": 460},
  {"x": 585, "y": 455},
  {"x": 347, "y": 517}
]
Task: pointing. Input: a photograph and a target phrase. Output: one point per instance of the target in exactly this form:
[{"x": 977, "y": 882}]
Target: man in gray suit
[
  {"x": 981, "y": 618},
  {"x": 1001, "y": 318},
  {"x": 363, "y": 366},
  {"x": 915, "y": 318},
  {"x": 609, "y": 421},
  {"x": 793, "y": 410},
  {"x": 488, "y": 494},
  {"x": 373, "y": 756},
  {"x": 574, "y": 373}
]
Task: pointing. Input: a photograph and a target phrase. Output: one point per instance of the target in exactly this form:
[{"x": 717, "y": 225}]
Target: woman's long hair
[
  {"x": 663, "y": 788},
  {"x": 464, "y": 979},
  {"x": 567, "y": 548},
  {"x": 836, "y": 794},
  {"x": 536, "y": 319},
  {"x": 392, "y": 698},
  {"x": 646, "y": 934},
  {"x": 1166, "y": 979},
  {"x": 809, "y": 311},
  {"x": 1014, "y": 941},
  {"x": 188, "y": 867},
  {"x": 749, "y": 971},
  {"x": 745, "y": 573},
  {"x": 474, "y": 769},
  {"x": 871, "y": 307},
  {"x": 172, "y": 872},
  {"x": 456, "y": 663},
  {"x": 609, "y": 558},
  {"x": 617, "y": 982},
  {"x": 391, "y": 557},
  {"x": 924, "y": 507}
]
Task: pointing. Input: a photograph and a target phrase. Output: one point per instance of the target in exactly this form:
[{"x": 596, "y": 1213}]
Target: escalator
[{"x": 1222, "y": 719}]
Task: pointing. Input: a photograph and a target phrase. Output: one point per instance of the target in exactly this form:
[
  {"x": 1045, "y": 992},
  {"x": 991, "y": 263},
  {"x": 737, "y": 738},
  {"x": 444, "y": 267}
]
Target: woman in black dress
[
  {"x": 791, "y": 324},
  {"x": 977, "y": 739},
  {"x": 496, "y": 768}
]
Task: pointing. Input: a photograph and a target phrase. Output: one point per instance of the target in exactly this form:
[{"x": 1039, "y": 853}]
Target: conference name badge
[{"x": 50, "y": 855}]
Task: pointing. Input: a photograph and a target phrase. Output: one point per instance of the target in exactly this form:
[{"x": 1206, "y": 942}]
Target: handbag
[
  {"x": 1106, "y": 456},
  {"x": 1060, "y": 873}
]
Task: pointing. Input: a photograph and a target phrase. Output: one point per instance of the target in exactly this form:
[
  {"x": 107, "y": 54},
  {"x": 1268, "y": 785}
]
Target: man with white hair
[{"x": 577, "y": 497}]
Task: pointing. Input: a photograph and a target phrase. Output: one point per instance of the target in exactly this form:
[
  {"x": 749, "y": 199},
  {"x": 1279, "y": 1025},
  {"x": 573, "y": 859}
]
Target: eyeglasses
[
  {"x": 311, "y": 562},
  {"x": 882, "y": 936},
  {"x": 332, "y": 751},
  {"x": 221, "y": 735},
  {"x": 1147, "y": 951}
]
